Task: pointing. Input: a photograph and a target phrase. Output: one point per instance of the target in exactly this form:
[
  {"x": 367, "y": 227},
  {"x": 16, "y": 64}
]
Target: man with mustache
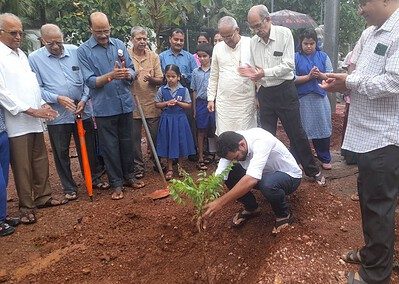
[
  {"x": 20, "y": 97},
  {"x": 109, "y": 73},
  {"x": 149, "y": 76},
  {"x": 373, "y": 132},
  {"x": 57, "y": 69}
]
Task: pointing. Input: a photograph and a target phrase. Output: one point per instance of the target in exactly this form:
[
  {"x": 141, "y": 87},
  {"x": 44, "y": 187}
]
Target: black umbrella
[{"x": 292, "y": 19}]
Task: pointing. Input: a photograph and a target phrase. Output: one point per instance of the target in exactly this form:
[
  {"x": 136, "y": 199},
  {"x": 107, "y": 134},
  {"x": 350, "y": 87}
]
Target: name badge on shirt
[
  {"x": 278, "y": 53},
  {"x": 380, "y": 49},
  {"x": 75, "y": 68}
]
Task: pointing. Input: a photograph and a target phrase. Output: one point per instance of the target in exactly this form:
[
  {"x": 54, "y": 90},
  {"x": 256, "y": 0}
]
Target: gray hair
[
  {"x": 137, "y": 30},
  {"x": 228, "y": 21},
  {"x": 6, "y": 16},
  {"x": 263, "y": 11},
  {"x": 50, "y": 28}
]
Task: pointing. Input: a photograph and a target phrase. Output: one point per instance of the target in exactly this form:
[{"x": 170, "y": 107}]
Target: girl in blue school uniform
[{"x": 174, "y": 138}]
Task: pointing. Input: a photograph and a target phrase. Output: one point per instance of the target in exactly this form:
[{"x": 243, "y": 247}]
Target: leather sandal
[
  {"x": 117, "y": 194},
  {"x": 352, "y": 256},
  {"x": 243, "y": 216},
  {"x": 169, "y": 175},
  {"x": 28, "y": 218},
  {"x": 53, "y": 202}
]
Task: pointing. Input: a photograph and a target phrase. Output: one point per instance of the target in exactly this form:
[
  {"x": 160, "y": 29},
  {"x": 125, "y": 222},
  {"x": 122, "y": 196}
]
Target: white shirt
[
  {"x": 19, "y": 91},
  {"x": 266, "y": 154},
  {"x": 276, "y": 56},
  {"x": 234, "y": 95},
  {"x": 373, "y": 121}
]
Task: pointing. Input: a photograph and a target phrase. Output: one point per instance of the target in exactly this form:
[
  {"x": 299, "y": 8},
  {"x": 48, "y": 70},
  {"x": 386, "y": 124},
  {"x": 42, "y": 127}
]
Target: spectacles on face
[
  {"x": 14, "y": 33},
  {"x": 228, "y": 37},
  {"x": 50, "y": 44},
  {"x": 102, "y": 32},
  {"x": 257, "y": 27}
]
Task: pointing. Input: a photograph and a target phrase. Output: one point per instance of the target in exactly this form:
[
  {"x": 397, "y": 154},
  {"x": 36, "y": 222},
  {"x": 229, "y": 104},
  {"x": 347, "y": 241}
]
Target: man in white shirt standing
[
  {"x": 230, "y": 95},
  {"x": 373, "y": 132},
  {"x": 267, "y": 166},
  {"x": 21, "y": 98},
  {"x": 272, "y": 54}
]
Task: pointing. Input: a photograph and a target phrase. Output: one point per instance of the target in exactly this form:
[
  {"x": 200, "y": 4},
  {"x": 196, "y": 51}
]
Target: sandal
[
  {"x": 320, "y": 179},
  {"x": 6, "y": 229},
  {"x": 352, "y": 256},
  {"x": 102, "y": 185},
  {"x": 180, "y": 171},
  {"x": 139, "y": 175},
  {"x": 281, "y": 223},
  {"x": 117, "y": 194},
  {"x": 133, "y": 183},
  {"x": 28, "y": 218},
  {"x": 201, "y": 166},
  {"x": 12, "y": 221},
  {"x": 53, "y": 202},
  {"x": 243, "y": 216},
  {"x": 169, "y": 175},
  {"x": 354, "y": 278}
]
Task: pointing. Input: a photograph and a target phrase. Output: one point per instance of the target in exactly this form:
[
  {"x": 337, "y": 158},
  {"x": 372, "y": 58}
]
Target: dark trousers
[
  {"x": 281, "y": 102},
  {"x": 4, "y": 167},
  {"x": 137, "y": 154},
  {"x": 60, "y": 138},
  {"x": 115, "y": 138},
  {"x": 273, "y": 186},
  {"x": 378, "y": 185},
  {"x": 322, "y": 147}
]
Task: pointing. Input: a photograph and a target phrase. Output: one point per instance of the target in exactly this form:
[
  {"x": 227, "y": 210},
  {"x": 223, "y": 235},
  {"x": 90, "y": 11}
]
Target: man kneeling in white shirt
[{"x": 264, "y": 163}]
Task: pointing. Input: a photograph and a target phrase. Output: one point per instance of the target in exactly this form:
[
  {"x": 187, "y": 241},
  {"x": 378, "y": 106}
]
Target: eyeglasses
[
  {"x": 59, "y": 43},
  {"x": 258, "y": 26},
  {"x": 14, "y": 33},
  {"x": 227, "y": 37},
  {"x": 101, "y": 32}
]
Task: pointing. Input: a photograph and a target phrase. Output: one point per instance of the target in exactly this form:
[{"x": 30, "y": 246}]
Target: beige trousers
[{"x": 29, "y": 163}]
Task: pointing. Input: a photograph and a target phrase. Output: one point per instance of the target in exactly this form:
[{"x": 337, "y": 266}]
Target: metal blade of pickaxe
[{"x": 159, "y": 193}]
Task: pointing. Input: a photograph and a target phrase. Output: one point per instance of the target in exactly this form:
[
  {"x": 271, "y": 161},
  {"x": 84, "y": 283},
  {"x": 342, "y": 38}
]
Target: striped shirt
[{"x": 373, "y": 121}]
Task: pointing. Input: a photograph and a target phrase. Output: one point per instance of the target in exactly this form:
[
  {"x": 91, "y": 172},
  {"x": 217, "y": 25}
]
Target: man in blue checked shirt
[
  {"x": 57, "y": 69},
  {"x": 108, "y": 72}
]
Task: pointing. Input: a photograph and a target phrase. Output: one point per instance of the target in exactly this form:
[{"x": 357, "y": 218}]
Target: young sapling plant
[{"x": 202, "y": 191}]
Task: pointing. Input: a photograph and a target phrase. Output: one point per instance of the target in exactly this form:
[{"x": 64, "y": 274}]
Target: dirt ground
[{"x": 137, "y": 240}]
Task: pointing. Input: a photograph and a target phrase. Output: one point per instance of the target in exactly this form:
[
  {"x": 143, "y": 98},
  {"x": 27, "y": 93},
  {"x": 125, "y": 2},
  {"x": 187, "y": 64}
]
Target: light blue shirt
[
  {"x": 60, "y": 76},
  {"x": 199, "y": 83},
  {"x": 115, "y": 97},
  {"x": 184, "y": 60}
]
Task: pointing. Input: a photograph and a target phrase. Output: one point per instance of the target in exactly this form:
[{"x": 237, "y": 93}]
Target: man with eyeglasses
[
  {"x": 109, "y": 72},
  {"x": 61, "y": 82},
  {"x": 373, "y": 132},
  {"x": 20, "y": 96},
  {"x": 272, "y": 54},
  {"x": 231, "y": 96},
  {"x": 149, "y": 76}
]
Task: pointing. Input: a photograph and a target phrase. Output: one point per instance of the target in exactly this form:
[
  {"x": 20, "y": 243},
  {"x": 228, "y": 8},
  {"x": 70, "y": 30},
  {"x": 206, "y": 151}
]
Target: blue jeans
[
  {"x": 273, "y": 186},
  {"x": 4, "y": 167}
]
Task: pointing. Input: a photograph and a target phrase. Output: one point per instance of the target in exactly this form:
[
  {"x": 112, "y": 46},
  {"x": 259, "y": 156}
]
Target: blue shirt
[
  {"x": 304, "y": 63},
  {"x": 199, "y": 82},
  {"x": 173, "y": 92},
  {"x": 184, "y": 59},
  {"x": 95, "y": 60},
  {"x": 2, "y": 120},
  {"x": 60, "y": 76}
]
